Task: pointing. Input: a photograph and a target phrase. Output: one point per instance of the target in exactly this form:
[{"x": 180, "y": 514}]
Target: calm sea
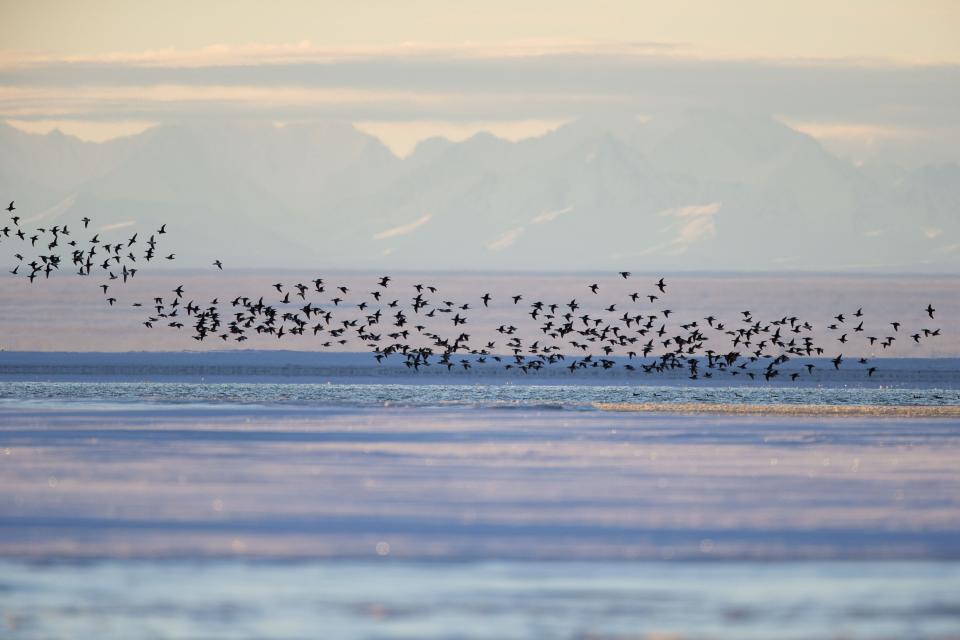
[{"x": 288, "y": 495}]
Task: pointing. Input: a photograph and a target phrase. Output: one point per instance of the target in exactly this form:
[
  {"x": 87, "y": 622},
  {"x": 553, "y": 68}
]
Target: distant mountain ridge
[{"x": 697, "y": 191}]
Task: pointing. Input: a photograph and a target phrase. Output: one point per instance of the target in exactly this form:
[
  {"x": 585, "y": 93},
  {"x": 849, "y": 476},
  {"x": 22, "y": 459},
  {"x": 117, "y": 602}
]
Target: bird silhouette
[{"x": 614, "y": 331}]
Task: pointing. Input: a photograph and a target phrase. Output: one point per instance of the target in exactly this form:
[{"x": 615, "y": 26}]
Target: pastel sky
[
  {"x": 861, "y": 74},
  {"x": 916, "y": 31}
]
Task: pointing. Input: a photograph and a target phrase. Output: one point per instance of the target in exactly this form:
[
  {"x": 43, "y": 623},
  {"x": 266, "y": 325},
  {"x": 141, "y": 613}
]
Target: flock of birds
[{"x": 423, "y": 329}]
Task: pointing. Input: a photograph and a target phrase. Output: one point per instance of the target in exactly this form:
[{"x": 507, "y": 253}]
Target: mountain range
[{"x": 693, "y": 191}]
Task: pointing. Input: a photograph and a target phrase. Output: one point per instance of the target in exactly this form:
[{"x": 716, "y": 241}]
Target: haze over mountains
[{"x": 697, "y": 191}]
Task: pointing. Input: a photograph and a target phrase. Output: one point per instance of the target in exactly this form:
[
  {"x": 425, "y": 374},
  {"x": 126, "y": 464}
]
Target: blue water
[
  {"x": 503, "y": 600},
  {"x": 113, "y": 597},
  {"x": 353, "y": 379},
  {"x": 426, "y": 395}
]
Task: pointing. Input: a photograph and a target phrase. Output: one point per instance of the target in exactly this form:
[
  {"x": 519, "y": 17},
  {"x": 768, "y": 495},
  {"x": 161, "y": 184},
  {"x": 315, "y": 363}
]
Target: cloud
[
  {"x": 403, "y": 229},
  {"x": 694, "y": 230},
  {"x": 692, "y": 223},
  {"x": 692, "y": 210},
  {"x": 506, "y": 239},
  {"x": 179, "y": 102},
  {"x": 223, "y": 93},
  {"x": 117, "y": 225},
  {"x": 53, "y": 212},
  {"x": 306, "y": 52},
  {"x": 476, "y": 83},
  {"x": 550, "y": 216},
  {"x": 859, "y": 108}
]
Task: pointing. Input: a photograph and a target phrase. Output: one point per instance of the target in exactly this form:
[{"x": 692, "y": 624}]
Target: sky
[
  {"x": 918, "y": 31},
  {"x": 710, "y": 184},
  {"x": 863, "y": 76}
]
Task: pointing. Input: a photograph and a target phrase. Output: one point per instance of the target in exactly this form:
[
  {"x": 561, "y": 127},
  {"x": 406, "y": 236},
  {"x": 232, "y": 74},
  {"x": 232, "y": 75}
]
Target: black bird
[
  {"x": 10, "y": 206},
  {"x": 761, "y": 339},
  {"x": 930, "y": 310}
]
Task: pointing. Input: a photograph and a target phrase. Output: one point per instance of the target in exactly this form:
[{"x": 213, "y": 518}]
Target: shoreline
[{"x": 919, "y": 411}]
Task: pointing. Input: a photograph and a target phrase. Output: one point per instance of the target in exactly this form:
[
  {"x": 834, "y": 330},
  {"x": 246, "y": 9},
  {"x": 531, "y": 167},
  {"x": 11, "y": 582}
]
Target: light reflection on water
[
  {"x": 505, "y": 599},
  {"x": 483, "y": 395},
  {"x": 388, "y": 599}
]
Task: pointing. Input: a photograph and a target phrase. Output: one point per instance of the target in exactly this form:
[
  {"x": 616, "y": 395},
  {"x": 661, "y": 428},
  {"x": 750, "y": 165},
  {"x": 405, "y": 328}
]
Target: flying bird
[{"x": 750, "y": 345}]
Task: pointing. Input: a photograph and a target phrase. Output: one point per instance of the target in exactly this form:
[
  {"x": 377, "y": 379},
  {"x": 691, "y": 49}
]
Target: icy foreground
[
  {"x": 238, "y": 510},
  {"x": 121, "y": 480},
  {"x": 513, "y": 600}
]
